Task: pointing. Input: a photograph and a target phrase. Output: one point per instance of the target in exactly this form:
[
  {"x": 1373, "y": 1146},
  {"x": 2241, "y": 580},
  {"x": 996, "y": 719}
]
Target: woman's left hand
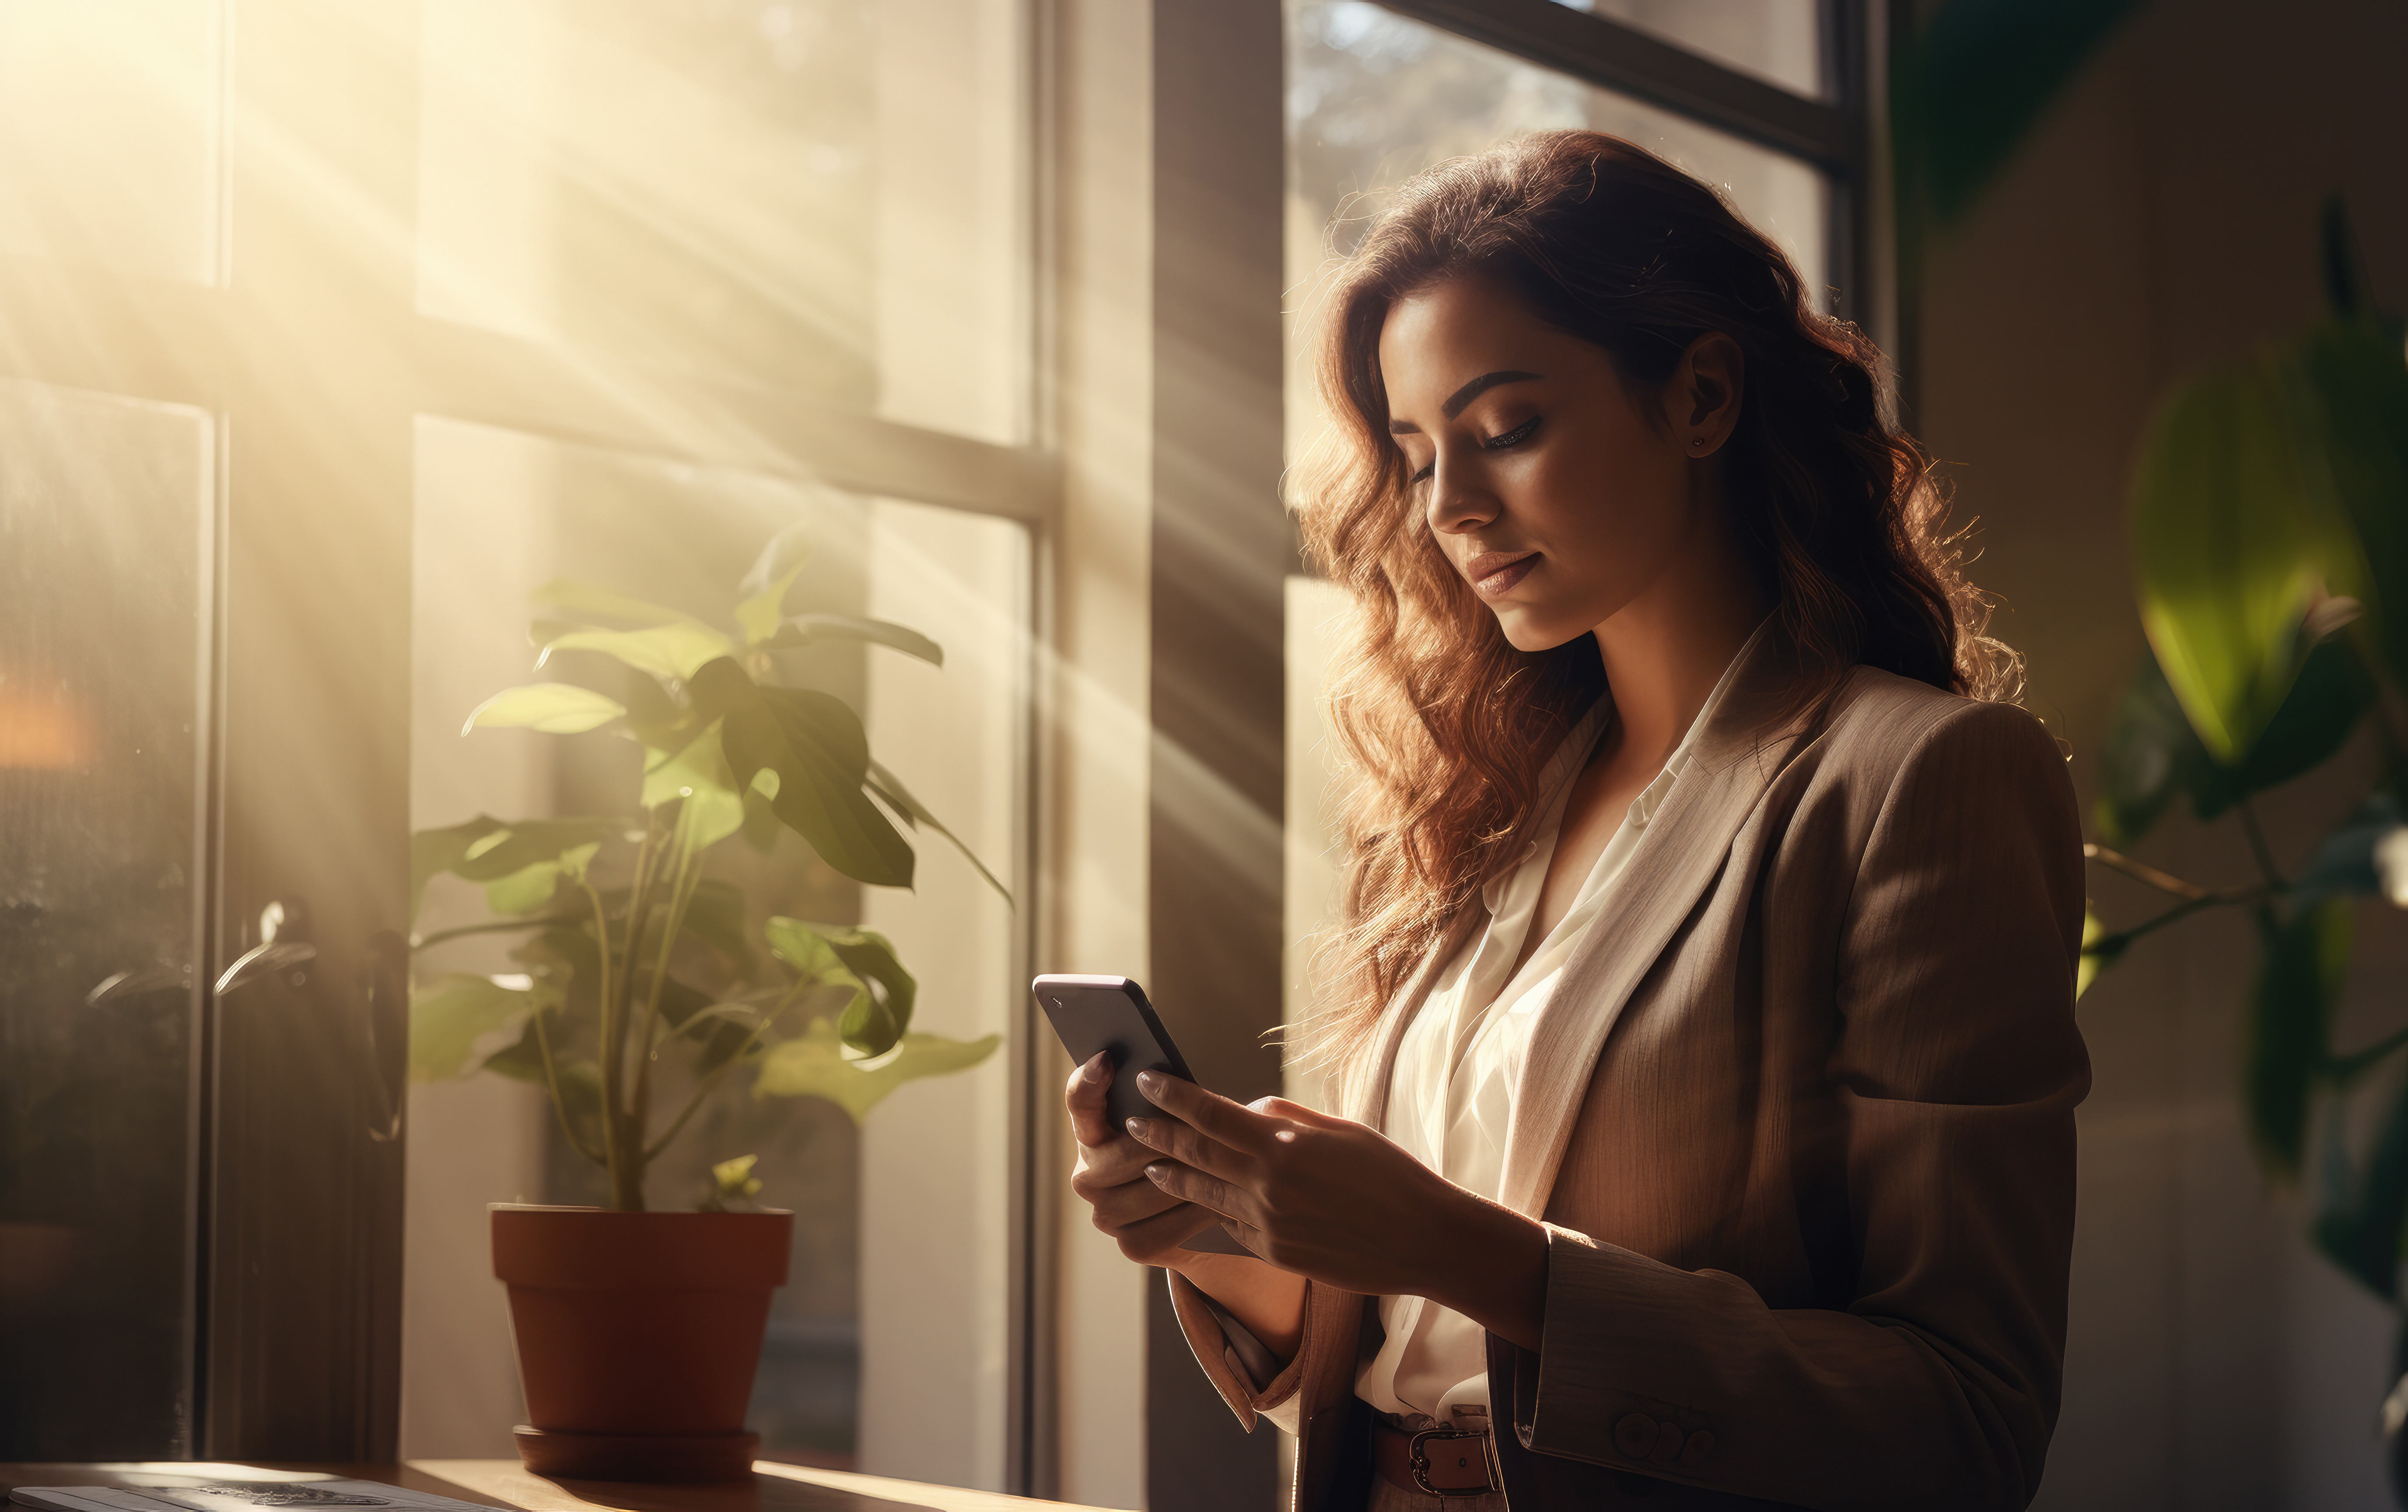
[{"x": 1336, "y": 1201}]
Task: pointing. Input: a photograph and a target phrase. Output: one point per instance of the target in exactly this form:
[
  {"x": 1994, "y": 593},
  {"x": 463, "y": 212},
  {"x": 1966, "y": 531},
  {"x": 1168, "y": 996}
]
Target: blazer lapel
[
  {"x": 1683, "y": 849},
  {"x": 1365, "y": 1095}
]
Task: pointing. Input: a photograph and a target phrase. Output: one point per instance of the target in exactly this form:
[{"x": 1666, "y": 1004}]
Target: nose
[{"x": 1457, "y": 499}]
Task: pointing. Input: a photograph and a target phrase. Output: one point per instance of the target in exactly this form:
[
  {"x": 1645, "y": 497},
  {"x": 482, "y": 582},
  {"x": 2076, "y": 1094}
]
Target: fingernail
[
  {"x": 1155, "y": 1171},
  {"x": 1096, "y": 1069},
  {"x": 1148, "y": 1080},
  {"x": 1138, "y": 1129}
]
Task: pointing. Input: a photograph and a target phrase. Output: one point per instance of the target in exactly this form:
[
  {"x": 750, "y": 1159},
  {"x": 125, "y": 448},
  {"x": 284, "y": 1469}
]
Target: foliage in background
[
  {"x": 631, "y": 953},
  {"x": 2270, "y": 533},
  {"x": 2269, "y": 543}
]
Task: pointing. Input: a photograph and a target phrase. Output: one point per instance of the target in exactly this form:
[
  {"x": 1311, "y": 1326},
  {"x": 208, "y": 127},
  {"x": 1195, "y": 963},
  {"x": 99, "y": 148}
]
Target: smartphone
[{"x": 1110, "y": 1013}]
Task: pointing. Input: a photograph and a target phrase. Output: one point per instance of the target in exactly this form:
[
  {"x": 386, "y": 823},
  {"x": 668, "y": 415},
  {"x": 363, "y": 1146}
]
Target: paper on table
[{"x": 235, "y": 1496}]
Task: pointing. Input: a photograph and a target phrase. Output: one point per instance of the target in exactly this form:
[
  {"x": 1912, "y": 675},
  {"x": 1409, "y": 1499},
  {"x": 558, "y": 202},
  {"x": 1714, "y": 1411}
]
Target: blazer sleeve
[
  {"x": 1956, "y": 1071},
  {"x": 1245, "y": 1387}
]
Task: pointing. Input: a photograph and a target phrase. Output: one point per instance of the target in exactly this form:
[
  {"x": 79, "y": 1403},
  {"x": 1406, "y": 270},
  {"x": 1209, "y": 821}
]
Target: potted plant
[{"x": 641, "y": 998}]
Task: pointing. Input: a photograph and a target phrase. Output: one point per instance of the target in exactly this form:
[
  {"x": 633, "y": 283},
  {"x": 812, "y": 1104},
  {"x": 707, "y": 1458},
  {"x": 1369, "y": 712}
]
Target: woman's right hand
[{"x": 1149, "y": 1224}]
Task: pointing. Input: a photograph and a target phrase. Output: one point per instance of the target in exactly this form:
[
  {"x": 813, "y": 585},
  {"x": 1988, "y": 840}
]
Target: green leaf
[
  {"x": 760, "y": 614},
  {"x": 2289, "y": 1024},
  {"x": 2227, "y": 554},
  {"x": 731, "y": 1181},
  {"x": 881, "y": 1009},
  {"x": 510, "y": 848},
  {"x": 596, "y": 602},
  {"x": 716, "y": 917},
  {"x": 803, "y": 629},
  {"x": 714, "y": 805},
  {"x": 815, "y": 1064},
  {"x": 435, "y": 851},
  {"x": 816, "y": 747},
  {"x": 2317, "y": 719},
  {"x": 554, "y": 708},
  {"x": 670, "y": 651},
  {"x": 2349, "y": 384},
  {"x": 2150, "y": 754},
  {"x": 459, "y": 1022},
  {"x": 529, "y": 888},
  {"x": 2359, "y": 1226},
  {"x": 2092, "y": 961},
  {"x": 891, "y": 792}
]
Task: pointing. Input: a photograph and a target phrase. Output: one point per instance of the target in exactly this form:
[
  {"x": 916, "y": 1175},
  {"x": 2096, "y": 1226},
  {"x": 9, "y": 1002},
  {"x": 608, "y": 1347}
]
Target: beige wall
[{"x": 2162, "y": 220}]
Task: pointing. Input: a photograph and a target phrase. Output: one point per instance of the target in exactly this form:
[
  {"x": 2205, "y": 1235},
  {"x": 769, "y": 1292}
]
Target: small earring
[{"x": 1696, "y": 440}]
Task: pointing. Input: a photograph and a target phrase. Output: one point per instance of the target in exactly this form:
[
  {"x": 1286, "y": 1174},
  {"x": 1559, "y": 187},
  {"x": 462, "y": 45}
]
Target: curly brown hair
[{"x": 1443, "y": 726}]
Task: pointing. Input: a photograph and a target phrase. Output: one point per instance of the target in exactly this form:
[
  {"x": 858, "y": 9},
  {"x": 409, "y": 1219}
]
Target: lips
[{"x": 1493, "y": 573}]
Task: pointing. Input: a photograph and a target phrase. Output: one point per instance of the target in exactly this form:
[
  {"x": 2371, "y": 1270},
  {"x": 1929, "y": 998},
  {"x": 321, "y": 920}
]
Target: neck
[{"x": 1665, "y": 650}]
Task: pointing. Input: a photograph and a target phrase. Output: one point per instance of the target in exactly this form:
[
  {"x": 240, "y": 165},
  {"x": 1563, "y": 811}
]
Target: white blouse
[{"x": 1451, "y": 1095}]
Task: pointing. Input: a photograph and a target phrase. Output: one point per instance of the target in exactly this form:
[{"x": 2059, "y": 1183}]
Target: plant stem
[
  {"x": 710, "y": 1085},
  {"x": 2348, "y": 1068},
  {"x": 626, "y": 1156},
  {"x": 2258, "y": 848},
  {"x": 602, "y": 1006},
  {"x": 551, "y": 1081},
  {"x": 2165, "y": 882},
  {"x": 491, "y": 926},
  {"x": 2107, "y": 946},
  {"x": 681, "y": 890}
]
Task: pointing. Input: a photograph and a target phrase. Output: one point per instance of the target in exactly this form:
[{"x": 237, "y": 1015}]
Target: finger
[
  {"x": 1162, "y": 1236},
  {"x": 1118, "y": 1207},
  {"x": 1294, "y": 1113},
  {"x": 1085, "y": 1097},
  {"x": 1233, "y": 1124},
  {"x": 1113, "y": 1164},
  {"x": 1205, "y": 1191},
  {"x": 1168, "y": 1136}
]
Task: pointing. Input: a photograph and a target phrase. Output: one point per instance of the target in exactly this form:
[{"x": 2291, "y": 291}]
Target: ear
[{"x": 1702, "y": 400}]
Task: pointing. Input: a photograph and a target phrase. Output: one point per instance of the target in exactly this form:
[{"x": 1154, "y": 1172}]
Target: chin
[{"x": 1527, "y": 631}]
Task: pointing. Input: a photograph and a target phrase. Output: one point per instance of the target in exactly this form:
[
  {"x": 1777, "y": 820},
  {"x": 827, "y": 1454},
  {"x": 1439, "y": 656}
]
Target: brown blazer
[{"x": 1800, "y": 1120}]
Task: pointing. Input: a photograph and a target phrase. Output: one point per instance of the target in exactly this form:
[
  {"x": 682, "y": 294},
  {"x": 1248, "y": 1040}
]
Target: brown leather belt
[{"x": 1436, "y": 1461}]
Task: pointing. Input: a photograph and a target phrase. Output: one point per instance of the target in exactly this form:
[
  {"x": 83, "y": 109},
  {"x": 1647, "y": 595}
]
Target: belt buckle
[{"x": 1417, "y": 1462}]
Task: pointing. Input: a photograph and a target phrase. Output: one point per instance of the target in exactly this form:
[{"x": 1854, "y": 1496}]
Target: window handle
[
  {"x": 283, "y": 944},
  {"x": 388, "y": 1021}
]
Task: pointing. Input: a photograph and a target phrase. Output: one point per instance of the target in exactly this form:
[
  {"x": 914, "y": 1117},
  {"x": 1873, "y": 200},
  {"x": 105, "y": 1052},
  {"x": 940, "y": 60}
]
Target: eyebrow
[{"x": 1456, "y": 401}]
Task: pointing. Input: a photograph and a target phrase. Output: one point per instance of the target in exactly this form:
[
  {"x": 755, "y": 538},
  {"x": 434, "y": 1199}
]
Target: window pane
[
  {"x": 1374, "y": 97},
  {"x": 824, "y": 196},
  {"x": 1777, "y": 40},
  {"x": 886, "y": 1348},
  {"x": 109, "y": 134},
  {"x": 104, "y": 515}
]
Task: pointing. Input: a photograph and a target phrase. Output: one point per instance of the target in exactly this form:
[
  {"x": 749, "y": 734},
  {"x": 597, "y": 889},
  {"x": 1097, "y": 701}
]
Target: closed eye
[{"x": 1512, "y": 438}]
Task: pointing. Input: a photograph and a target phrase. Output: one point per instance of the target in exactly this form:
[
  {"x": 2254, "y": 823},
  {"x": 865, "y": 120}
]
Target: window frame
[
  {"x": 298, "y": 1212},
  {"x": 1833, "y": 135}
]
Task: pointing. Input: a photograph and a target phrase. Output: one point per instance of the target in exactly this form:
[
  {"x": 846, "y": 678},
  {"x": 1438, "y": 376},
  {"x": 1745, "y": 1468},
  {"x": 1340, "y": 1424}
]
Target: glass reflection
[
  {"x": 822, "y": 196},
  {"x": 105, "y": 510},
  {"x": 1780, "y": 41},
  {"x": 110, "y": 127}
]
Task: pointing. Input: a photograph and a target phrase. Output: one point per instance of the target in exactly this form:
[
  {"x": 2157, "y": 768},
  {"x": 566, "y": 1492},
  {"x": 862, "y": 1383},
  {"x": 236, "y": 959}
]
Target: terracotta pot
[{"x": 637, "y": 1336}]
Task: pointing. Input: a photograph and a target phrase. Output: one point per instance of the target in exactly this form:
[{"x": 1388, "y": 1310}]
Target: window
[
  {"x": 329, "y": 330},
  {"x": 720, "y": 209}
]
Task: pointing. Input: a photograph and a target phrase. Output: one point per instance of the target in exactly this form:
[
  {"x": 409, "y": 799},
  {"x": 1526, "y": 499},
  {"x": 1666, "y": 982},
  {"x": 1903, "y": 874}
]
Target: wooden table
[{"x": 503, "y": 1483}]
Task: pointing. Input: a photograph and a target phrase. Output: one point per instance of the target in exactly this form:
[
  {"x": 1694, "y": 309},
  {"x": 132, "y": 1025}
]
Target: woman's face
[{"x": 1559, "y": 492}]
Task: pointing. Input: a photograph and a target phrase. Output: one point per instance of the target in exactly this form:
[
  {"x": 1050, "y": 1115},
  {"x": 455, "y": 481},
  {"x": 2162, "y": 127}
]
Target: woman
[{"x": 1704, "y": 1028}]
